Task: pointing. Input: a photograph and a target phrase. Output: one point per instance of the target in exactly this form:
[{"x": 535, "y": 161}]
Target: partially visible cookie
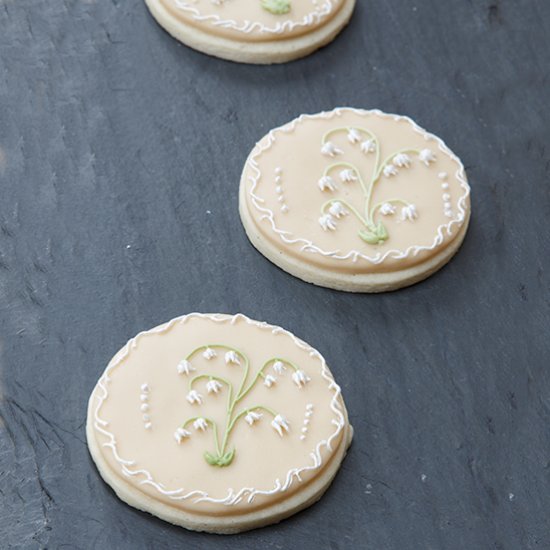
[
  {"x": 218, "y": 423},
  {"x": 253, "y": 31},
  {"x": 355, "y": 200}
]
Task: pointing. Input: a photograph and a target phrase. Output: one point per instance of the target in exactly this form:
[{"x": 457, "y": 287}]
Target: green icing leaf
[
  {"x": 278, "y": 7},
  {"x": 220, "y": 461},
  {"x": 227, "y": 458},
  {"x": 376, "y": 234},
  {"x": 211, "y": 459}
]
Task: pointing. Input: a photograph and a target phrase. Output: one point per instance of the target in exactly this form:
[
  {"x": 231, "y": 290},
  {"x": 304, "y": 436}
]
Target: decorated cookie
[
  {"x": 253, "y": 31},
  {"x": 218, "y": 423},
  {"x": 355, "y": 200}
]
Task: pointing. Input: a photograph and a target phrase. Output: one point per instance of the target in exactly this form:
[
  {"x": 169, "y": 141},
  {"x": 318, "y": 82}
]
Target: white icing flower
[
  {"x": 200, "y": 424},
  {"x": 252, "y": 417},
  {"x": 209, "y": 353},
  {"x": 337, "y": 210},
  {"x": 426, "y": 156},
  {"x": 402, "y": 160},
  {"x": 368, "y": 146},
  {"x": 330, "y": 149},
  {"x": 185, "y": 367},
  {"x": 231, "y": 357},
  {"x": 279, "y": 367},
  {"x": 280, "y": 424},
  {"x": 348, "y": 176},
  {"x": 213, "y": 386},
  {"x": 354, "y": 136},
  {"x": 409, "y": 213},
  {"x": 194, "y": 397},
  {"x": 326, "y": 183},
  {"x": 300, "y": 378},
  {"x": 387, "y": 209},
  {"x": 269, "y": 381},
  {"x": 327, "y": 222},
  {"x": 180, "y": 434},
  {"x": 390, "y": 170}
]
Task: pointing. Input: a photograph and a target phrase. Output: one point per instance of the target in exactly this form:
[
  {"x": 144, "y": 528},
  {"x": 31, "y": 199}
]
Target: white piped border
[
  {"x": 354, "y": 255},
  {"x": 246, "y": 27},
  {"x": 232, "y": 497}
]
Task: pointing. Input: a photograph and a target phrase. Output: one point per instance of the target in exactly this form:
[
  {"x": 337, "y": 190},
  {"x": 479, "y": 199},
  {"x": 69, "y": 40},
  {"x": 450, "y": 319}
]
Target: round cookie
[
  {"x": 218, "y": 423},
  {"x": 355, "y": 200},
  {"x": 253, "y": 31}
]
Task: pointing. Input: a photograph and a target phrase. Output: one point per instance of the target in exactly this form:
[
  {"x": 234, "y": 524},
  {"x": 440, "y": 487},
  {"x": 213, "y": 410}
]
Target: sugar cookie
[
  {"x": 218, "y": 423},
  {"x": 355, "y": 200},
  {"x": 253, "y": 31}
]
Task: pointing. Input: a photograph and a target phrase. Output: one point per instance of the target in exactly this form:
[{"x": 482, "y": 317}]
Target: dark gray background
[{"x": 120, "y": 156}]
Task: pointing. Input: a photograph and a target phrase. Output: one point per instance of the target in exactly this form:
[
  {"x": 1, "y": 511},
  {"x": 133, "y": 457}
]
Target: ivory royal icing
[
  {"x": 243, "y": 414},
  {"x": 255, "y": 20},
  {"x": 364, "y": 191}
]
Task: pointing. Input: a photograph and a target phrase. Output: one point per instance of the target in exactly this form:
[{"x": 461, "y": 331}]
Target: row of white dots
[
  {"x": 144, "y": 407},
  {"x": 447, "y": 207},
  {"x": 279, "y": 189},
  {"x": 309, "y": 413}
]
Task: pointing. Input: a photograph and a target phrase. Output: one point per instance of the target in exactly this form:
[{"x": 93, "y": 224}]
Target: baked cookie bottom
[
  {"x": 261, "y": 53},
  {"x": 223, "y": 525},
  {"x": 349, "y": 282}
]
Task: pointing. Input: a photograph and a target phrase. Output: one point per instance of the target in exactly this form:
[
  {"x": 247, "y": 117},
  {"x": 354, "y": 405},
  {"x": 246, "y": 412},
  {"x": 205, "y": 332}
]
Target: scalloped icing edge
[
  {"x": 354, "y": 255},
  {"x": 314, "y": 18},
  {"x": 232, "y": 497}
]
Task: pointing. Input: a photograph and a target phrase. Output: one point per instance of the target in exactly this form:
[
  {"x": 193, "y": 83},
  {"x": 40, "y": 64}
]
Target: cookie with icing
[
  {"x": 355, "y": 200},
  {"x": 253, "y": 31},
  {"x": 218, "y": 423}
]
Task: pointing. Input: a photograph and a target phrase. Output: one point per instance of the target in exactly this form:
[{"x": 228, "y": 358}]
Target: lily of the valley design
[
  {"x": 276, "y": 7},
  {"x": 373, "y": 231},
  {"x": 216, "y": 383}
]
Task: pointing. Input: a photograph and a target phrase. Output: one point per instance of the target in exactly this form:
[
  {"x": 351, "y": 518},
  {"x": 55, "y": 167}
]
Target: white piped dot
[
  {"x": 147, "y": 426},
  {"x": 284, "y": 208},
  {"x": 447, "y": 205},
  {"x": 307, "y": 421},
  {"x": 279, "y": 190},
  {"x": 143, "y": 397},
  {"x": 302, "y": 437},
  {"x": 449, "y": 214},
  {"x": 146, "y": 418},
  {"x": 446, "y": 197},
  {"x": 278, "y": 170},
  {"x": 145, "y": 388},
  {"x": 144, "y": 407},
  {"x": 277, "y": 179},
  {"x": 304, "y": 430},
  {"x": 445, "y": 185},
  {"x": 442, "y": 175},
  {"x": 281, "y": 199}
]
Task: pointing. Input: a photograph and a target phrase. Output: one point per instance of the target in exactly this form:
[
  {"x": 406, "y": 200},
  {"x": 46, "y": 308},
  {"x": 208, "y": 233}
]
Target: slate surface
[{"x": 120, "y": 156}]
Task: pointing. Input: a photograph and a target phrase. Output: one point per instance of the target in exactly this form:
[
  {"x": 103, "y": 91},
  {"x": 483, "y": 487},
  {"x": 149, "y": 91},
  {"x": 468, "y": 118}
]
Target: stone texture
[{"x": 120, "y": 157}]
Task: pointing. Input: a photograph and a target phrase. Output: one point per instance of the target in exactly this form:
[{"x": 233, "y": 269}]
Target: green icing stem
[
  {"x": 376, "y": 231},
  {"x": 223, "y": 457}
]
